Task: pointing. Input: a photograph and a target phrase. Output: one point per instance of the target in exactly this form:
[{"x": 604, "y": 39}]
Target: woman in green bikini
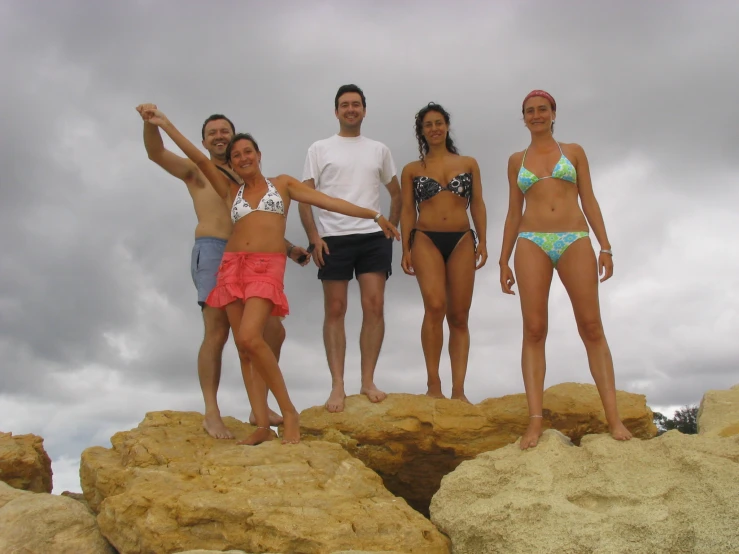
[{"x": 547, "y": 237}]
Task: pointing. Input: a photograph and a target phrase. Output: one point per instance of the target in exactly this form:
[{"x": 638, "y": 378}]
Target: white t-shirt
[{"x": 350, "y": 168}]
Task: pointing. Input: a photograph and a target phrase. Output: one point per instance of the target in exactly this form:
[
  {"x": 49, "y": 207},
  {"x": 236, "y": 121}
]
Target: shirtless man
[{"x": 211, "y": 234}]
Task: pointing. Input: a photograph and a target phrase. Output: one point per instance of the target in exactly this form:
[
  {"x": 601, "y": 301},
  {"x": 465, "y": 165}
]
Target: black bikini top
[{"x": 425, "y": 188}]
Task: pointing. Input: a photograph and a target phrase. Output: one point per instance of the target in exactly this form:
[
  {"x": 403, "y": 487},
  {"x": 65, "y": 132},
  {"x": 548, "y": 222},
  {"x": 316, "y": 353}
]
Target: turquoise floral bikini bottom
[{"x": 553, "y": 244}]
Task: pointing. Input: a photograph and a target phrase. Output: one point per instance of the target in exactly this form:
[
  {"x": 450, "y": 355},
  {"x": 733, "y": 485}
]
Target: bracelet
[
  {"x": 609, "y": 252},
  {"x": 290, "y": 249},
  {"x": 377, "y": 217}
]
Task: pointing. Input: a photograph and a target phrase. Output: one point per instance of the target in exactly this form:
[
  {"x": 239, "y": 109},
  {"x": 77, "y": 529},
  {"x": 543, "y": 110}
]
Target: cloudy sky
[{"x": 98, "y": 320}]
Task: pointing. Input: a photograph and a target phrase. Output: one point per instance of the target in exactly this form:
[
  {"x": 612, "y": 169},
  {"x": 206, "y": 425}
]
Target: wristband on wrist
[
  {"x": 606, "y": 251},
  {"x": 377, "y": 217}
]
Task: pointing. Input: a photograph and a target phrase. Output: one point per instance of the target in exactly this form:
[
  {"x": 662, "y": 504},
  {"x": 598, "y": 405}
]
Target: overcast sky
[{"x": 98, "y": 316}]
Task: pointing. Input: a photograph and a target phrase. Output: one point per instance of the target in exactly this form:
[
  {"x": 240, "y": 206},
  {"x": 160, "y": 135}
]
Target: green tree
[{"x": 685, "y": 420}]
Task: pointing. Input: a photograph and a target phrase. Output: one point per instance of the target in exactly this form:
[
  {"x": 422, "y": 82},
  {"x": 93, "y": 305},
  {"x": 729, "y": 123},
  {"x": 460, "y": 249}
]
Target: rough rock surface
[
  {"x": 33, "y": 523},
  {"x": 675, "y": 493},
  {"x": 718, "y": 415},
  {"x": 412, "y": 441},
  {"x": 24, "y": 464},
  {"x": 167, "y": 486}
]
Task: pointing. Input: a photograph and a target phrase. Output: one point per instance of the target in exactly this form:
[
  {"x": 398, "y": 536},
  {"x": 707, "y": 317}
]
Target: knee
[
  {"x": 336, "y": 308},
  {"x": 435, "y": 310},
  {"x": 248, "y": 345},
  {"x": 591, "y": 331},
  {"x": 373, "y": 305},
  {"x": 216, "y": 336},
  {"x": 458, "y": 319},
  {"x": 275, "y": 332},
  {"x": 535, "y": 331}
]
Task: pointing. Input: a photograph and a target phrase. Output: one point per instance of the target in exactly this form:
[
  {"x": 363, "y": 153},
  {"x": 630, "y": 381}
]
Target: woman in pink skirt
[{"x": 250, "y": 278}]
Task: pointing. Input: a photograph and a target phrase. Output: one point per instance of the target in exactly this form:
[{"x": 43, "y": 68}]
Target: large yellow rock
[
  {"x": 24, "y": 464},
  {"x": 33, "y": 523},
  {"x": 412, "y": 441},
  {"x": 718, "y": 415},
  {"x": 675, "y": 493},
  {"x": 168, "y": 487}
]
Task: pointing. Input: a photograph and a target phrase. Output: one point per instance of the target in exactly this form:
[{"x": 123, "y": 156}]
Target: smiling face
[
  {"x": 350, "y": 111},
  {"x": 435, "y": 128},
  {"x": 244, "y": 157},
  {"x": 217, "y": 134},
  {"x": 538, "y": 115}
]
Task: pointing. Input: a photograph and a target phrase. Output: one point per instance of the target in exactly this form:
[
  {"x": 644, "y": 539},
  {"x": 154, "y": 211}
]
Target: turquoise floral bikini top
[{"x": 563, "y": 170}]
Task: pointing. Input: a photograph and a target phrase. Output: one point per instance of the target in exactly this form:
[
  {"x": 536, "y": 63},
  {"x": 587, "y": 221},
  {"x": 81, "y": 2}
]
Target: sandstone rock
[
  {"x": 24, "y": 464},
  {"x": 675, "y": 493},
  {"x": 412, "y": 441},
  {"x": 167, "y": 486},
  {"x": 33, "y": 523},
  {"x": 718, "y": 415}
]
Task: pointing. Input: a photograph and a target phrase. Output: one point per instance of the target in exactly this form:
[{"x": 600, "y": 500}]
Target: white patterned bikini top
[{"x": 270, "y": 202}]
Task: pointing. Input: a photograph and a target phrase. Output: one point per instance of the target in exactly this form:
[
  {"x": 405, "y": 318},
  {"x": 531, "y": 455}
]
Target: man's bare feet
[
  {"x": 373, "y": 393},
  {"x": 291, "y": 429},
  {"x": 274, "y": 418},
  {"x": 531, "y": 437},
  {"x": 262, "y": 434},
  {"x": 619, "y": 432},
  {"x": 434, "y": 391},
  {"x": 335, "y": 402},
  {"x": 214, "y": 426},
  {"x": 460, "y": 396}
]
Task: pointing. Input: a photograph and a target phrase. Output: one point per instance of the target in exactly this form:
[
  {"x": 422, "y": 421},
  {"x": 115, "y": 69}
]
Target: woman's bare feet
[
  {"x": 434, "y": 390},
  {"x": 274, "y": 418},
  {"x": 619, "y": 432},
  {"x": 460, "y": 396},
  {"x": 373, "y": 393},
  {"x": 214, "y": 426},
  {"x": 262, "y": 434},
  {"x": 291, "y": 429},
  {"x": 335, "y": 402},
  {"x": 531, "y": 437}
]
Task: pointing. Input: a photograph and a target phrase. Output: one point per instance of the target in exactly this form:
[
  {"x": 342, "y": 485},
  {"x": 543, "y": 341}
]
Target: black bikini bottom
[{"x": 445, "y": 241}]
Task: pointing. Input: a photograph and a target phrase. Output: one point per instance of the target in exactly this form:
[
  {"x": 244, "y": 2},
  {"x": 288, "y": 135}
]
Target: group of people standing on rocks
[{"x": 240, "y": 251}]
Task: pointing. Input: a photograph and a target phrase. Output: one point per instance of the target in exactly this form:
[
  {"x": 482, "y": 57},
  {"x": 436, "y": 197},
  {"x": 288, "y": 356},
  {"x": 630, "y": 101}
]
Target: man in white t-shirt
[{"x": 353, "y": 168}]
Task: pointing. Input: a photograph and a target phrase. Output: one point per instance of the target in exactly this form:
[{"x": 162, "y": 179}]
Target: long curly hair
[{"x": 423, "y": 146}]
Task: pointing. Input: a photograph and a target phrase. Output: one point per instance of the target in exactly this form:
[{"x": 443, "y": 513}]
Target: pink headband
[{"x": 543, "y": 94}]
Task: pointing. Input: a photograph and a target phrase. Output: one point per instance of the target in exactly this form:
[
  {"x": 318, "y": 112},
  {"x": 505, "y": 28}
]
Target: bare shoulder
[
  {"x": 283, "y": 180},
  {"x": 412, "y": 168},
  {"x": 572, "y": 147},
  {"x": 516, "y": 158},
  {"x": 470, "y": 162}
]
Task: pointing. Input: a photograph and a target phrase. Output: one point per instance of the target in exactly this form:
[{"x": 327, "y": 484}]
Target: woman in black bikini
[{"x": 438, "y": 243}]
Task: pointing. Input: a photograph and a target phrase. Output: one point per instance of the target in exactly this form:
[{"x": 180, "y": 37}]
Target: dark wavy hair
[
  {"x": 217, "y": 117},
  {"x": 423, "y": 146},
  {"x": 343, "y": 89},
  {"x": 237, "y": 137}
]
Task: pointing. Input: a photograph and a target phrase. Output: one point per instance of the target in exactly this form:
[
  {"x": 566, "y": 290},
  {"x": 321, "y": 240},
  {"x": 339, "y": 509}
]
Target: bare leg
[
  {"x": 256, "y": 388},
  {"x": 274, "y": 334},
  {"x": 334, "y": 339},
  {"x": 250, "y": 340},
  {"x": 431, "y": 276},
  {"x": 372, "y": 292},
  {"x": 578, "y": 270},
  {"x": 460, "y": 273},
  {"x": 534, "y": 275},
  {"x": 209, "y": 369}
]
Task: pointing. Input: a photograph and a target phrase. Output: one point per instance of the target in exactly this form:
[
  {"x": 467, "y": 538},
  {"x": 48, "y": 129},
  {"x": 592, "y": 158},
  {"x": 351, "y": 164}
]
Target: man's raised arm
[{"x": 179, "y": 167}]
